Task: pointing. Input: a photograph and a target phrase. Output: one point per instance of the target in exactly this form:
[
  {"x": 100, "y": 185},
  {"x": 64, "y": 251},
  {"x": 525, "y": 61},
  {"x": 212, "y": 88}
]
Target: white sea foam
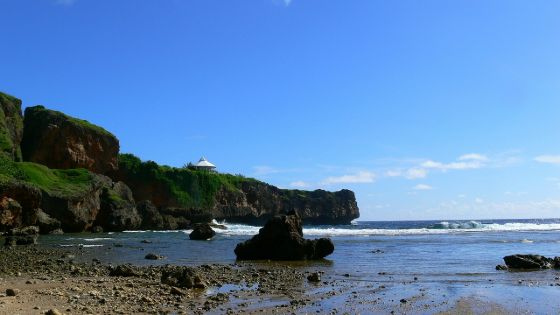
[{"x": 443, "y": 227}]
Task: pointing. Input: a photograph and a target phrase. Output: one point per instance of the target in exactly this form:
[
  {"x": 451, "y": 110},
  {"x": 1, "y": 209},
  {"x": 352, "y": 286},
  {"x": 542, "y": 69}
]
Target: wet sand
[{"x": 72, "y": 282}]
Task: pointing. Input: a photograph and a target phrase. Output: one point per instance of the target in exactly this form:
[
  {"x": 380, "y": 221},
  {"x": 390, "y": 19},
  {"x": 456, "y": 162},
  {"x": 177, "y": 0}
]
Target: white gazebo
[{"x": 203, "y": 164}]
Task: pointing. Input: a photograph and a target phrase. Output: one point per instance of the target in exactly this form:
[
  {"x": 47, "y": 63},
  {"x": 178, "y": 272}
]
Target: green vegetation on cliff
[
  {"x": 11, "y": 125},
  {"x": 189, "y": 187},
  {"x": 64, "y": 183},
  {"x": 52, "y": 115}
]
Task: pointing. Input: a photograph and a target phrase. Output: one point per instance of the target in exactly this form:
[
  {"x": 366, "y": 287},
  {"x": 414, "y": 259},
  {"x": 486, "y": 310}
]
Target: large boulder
[
  {"x": 202, "y": 232},
  {"x": 11, "y": 126},
  {"x": 530, "y": 262},
  {"x": 59, "y": 141},
  {"x": 27, "y": 196},
  {"x": 118, "y": 209},
  {"x": 282, "y": 239}
]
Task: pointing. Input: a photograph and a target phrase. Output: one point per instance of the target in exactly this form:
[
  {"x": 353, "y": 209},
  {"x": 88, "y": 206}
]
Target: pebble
[
  {"x": 12, "y": 292},
  {"x": 314, "y": 277}
]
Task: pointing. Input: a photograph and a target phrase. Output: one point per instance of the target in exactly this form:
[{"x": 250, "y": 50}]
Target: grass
[
  {"x": 191, "y": 188},
  {"x": 47, "y": 115},
  {"x": 9, "y": 104},
  {"x": 64, "y": 183}
]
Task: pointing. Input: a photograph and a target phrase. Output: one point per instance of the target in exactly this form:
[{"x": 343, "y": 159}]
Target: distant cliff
[
  {"x": 234, "y": 198},
  {"x": 73, "y": 178}
]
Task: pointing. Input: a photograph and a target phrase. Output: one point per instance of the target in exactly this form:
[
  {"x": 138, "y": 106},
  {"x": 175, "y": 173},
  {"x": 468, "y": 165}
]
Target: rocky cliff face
[
  {"x": 11, "y": 126},
  {"x": 257, "y": 202},
  {"x": 186, "y": 196},
  {"x": 59, "y": 141}
]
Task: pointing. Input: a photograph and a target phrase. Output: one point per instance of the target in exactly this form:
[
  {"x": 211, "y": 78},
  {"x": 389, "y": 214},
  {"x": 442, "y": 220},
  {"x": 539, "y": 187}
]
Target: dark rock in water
[
  {"x": 501, "y": 267},
  {"x": 146, "y": 242},
  {"x": 151, "y": 218},
  {"x": 97, "y": 229},
  {"x": 182, "y": 277},
  {"x": 59, "y": 141},
  {"x": 56, "y": 232},
  {"x": 10, "y": 214},
  {"x": 46, "y": 223},
  {"x": 202, "y": 231},
  {"x": 314, "y": 277},
  {"x": 528, "y": 262},
  {"x": 123, "y": 271},
  {"x": 24, "y": 236},
  {"x": 152, "y": 256},
  {"x": 118, "y": 209},
  {"x": 282, "y": 239},
  {"x": 12, "y": 292}
]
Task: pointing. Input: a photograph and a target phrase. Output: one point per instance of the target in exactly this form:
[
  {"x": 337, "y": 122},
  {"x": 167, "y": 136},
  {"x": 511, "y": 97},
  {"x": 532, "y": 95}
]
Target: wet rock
[
  {"x": 182, "y": 277},
  {"x": 152, "y": 256},
  {"x": 46, "y": 223},
  {"x": 151, "y": 218},
  {"x": 528, "y": 262},
  {"x": 97, "y": 229},
  {"x": 10, "y": 213},
  {"x": 146, "y": 242},
  {"x": 314, "y": 277},
  {"x": 118, "y": 209},
  {"x": 24, "y": 236},
  {"x": 403, "y": 301},
  {"x": 57, "y": 232},
  {"x": 282, "y": 239},
  {"x": 123, "y": 271},
  {"x": 201, "y": 232},
  {"x": 501, "y": 267},
  {"x": 177, "y": 291},
  {"x": 12, "y": 292}
]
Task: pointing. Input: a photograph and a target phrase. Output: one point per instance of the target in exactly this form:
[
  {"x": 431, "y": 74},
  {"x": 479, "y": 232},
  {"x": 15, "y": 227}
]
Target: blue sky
[{"x": 426, "y": 109}]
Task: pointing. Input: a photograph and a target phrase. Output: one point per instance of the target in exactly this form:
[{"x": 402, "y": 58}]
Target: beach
[{"x": 438, "y": 272}]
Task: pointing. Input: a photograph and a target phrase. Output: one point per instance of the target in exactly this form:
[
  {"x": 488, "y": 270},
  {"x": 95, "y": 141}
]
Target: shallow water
[{"x": 449, "y": 260}]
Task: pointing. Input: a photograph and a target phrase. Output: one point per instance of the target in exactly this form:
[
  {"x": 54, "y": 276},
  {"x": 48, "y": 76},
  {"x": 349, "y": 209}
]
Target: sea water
[{"x": 454, "y": 258}]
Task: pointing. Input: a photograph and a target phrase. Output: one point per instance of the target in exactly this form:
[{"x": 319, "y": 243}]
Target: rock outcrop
[
  {"x": 22, "y": 236},
  {"x": 11, "y": 126},
  {"x": 10, "y": 214},
  {"x": 531, "y": 262},
  {"x": 202, "y": 232},
  {"x": 118, "y": 209},
  {"x": 59, "y": 141},
  {"x": 282, "y": 239}
]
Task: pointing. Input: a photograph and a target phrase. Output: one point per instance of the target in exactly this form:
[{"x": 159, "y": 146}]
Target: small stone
[
  {"x": 152, "y": 256},
  {"x": 177, "y": 291},
  {"x": 314, "y": 277},
  {"x": 53, "y": 311},
  {"x": 146, "y": 242},
  {"x": 12, "y": 292},
  {"x": 404, "y": 301}
]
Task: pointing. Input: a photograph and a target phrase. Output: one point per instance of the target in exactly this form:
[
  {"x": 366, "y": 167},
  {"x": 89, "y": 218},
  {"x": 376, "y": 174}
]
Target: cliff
[
  {"x": 192, "y": 193},
  {"x": 59, "y": 141},
  {"x": 11, "y": 126},
  {"x": 59, "y": 183}
]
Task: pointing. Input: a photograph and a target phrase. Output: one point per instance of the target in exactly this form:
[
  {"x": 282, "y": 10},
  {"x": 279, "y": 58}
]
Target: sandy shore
[{"x": 46, "y": 279}]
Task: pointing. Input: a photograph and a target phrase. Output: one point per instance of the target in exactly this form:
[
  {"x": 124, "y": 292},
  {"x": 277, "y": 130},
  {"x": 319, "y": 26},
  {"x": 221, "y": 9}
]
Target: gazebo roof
[{"x": 203, "y": 162}]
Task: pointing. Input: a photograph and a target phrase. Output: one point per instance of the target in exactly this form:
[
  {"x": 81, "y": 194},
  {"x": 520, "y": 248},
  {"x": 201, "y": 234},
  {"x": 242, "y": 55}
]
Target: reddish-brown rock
[{"x": 59, "y": 141}]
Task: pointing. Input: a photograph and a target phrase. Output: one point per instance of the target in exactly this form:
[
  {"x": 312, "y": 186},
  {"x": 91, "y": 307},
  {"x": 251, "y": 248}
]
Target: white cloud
[
  {"x": 462, "y": 165},
  {"x": 473, "y": 157},
  {"x": 262, "y": 170},
  {"x": 422, "y": 187},
  {"x": 479, "y": 200},
  {"x": 549, "y": 159},
  {"x": 299, "y": 184},
  {"x": 358, "y": 178},
  {"x": 415, "y": 173}
]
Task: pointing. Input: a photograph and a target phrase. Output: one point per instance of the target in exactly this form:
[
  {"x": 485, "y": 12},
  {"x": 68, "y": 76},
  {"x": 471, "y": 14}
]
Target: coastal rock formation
[
  {"x": 118, "y": 209},
  {"x": 189, "y": 196},
  {"x": 282, "y": 239},
  {"x": 10, "y": 214},
  {"x": 531, "y": 262},
  {"x": 202, "y": 232},
  {"x": 151, "y": 218},
  {"x": 59, "y": 141},
  {"x": 22, "y": 236},
  {"x": 45, "y": 223},
  {"x": 11, "y": 126}
]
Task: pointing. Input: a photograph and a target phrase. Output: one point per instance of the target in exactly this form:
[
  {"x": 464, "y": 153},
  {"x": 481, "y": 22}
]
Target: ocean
[{"x": 456, "y": 259}]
